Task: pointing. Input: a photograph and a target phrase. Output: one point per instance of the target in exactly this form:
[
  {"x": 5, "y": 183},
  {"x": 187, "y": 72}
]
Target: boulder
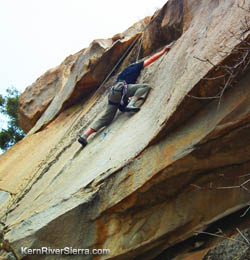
[
  {"x": 37, "y": 97},
  {"x": 149, "y": 181}
]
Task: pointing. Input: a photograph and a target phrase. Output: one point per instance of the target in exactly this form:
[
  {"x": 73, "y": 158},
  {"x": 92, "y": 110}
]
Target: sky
[{"x": 37, "y": 35}]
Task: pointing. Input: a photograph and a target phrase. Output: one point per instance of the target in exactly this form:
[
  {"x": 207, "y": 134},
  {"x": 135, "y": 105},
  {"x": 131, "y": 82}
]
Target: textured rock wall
[{"x": 148, "y": 181}]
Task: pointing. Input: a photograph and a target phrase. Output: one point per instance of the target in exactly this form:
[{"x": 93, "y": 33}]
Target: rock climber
[{"x": 121, "y": 91}]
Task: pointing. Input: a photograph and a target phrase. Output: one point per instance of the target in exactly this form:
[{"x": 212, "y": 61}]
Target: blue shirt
[{"x": 131, "y": 73}]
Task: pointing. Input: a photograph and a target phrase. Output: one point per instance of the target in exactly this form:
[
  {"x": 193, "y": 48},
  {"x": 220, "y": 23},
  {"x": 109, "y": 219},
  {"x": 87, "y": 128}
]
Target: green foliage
[{"x": 9, "y": 107}]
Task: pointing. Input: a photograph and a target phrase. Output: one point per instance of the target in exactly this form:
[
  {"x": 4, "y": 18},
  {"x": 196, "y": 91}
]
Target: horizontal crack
[
  {"x": 201, "y": 241},
  {"x": 231, "y": 130}
]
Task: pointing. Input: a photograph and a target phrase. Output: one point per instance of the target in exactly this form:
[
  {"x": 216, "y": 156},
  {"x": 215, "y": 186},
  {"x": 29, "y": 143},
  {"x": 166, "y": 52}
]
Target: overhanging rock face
[{"x": 152, "y": 180}]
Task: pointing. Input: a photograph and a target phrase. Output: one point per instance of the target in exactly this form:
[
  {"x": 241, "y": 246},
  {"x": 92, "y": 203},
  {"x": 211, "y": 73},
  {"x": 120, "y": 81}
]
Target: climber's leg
[
  {"x": 104, "y": 120},
  {"x": 136, "y": 92}
]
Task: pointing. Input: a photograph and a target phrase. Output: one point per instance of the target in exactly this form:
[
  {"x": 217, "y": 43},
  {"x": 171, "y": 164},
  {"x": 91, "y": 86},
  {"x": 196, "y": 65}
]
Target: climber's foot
[
  {"x": 132, "y": 108},
  {"x": 82, "y": 141}
]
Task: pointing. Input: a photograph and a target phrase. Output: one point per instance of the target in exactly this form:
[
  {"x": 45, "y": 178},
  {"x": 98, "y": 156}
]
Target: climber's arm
[{"x": 156, "y": 56}]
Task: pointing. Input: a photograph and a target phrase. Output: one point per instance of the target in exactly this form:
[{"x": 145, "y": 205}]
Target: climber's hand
[{"x": 168, "y": 47}]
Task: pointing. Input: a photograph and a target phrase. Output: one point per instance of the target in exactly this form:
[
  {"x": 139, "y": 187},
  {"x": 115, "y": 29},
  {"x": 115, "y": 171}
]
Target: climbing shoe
[
  {"x": 132, "y": 108},
  {"x": 82, "y": 141}
]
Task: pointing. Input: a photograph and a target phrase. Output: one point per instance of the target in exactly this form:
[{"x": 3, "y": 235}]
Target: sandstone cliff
[{"x": 146, "y": 184}]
